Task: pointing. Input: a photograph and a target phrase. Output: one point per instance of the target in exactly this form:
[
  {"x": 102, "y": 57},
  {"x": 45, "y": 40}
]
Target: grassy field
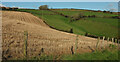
[
  {"x": 97, "y": 55},
  {"x": 99, "y": 26},
  {"x": 103, "y": 55},
  {"x": 86, "y": 13}
]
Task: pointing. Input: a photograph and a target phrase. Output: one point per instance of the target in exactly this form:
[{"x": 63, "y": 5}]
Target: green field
[
  {"x": 101, "y": 25},
  {"x": 104, "y": 55},
  {"x": 97, "y": 55},
  {"x": 74, "y": 12}
]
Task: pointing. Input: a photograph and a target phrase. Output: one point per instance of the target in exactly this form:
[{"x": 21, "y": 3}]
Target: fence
[{"x": 26, "y": 44}]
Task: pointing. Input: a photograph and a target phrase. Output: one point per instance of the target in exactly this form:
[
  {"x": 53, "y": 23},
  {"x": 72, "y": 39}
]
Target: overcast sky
[{"x": 59, "y": 0}]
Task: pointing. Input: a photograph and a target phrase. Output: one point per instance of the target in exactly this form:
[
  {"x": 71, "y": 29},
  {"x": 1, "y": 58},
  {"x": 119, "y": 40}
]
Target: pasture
[{"x": 101, "y": 25}]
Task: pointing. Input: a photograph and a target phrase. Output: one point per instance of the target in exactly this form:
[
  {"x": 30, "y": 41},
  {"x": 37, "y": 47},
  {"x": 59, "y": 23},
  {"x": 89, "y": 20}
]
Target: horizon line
[{"x": 57, "y": 1}]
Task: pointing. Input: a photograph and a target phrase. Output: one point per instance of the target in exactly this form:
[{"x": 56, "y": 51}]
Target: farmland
[
  {"x": 45, "y": 43},
  {"x": 40, "y": 39},
  {"x": 101, "y": 25},
  {"x": 85, "y": 12}
]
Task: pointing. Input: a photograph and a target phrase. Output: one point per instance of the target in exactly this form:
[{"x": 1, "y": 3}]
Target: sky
[{"x": 59, "y": 0}]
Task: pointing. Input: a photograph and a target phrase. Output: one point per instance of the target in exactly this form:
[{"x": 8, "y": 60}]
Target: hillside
[
  {"x": 94, "y": 23},
  {"x": 40, "y": 37}
]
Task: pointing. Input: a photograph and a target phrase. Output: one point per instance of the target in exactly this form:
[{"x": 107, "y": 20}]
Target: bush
[
  {"x": 104, "y": 11},
  {"x": 14, "y": 8},
  {"x": 90, "y": 35},
  {"x": 71, "y": 30},
  {"x": 91, "y": 15},
  {"x": 77, "y": 17},
  {"x": 111, "y": 12},
  {"x": 43, "y": 7}
]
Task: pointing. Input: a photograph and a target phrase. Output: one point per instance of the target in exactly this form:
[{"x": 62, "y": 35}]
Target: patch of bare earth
[{"x": 41, "y": 38}]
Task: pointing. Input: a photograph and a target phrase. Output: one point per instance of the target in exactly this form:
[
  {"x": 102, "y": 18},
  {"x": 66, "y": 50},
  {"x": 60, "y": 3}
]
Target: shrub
[
  {"x": 104, "y": 11},
  {"x": 3, "y": 8},
  {"x": 91, "y": 16},
  {"x": 90, "y": 35},
  {"x": 77, "y": 17},
  {"x": 86, "y": 34},
  {"x": 111, "y": 12},
  {"x": 71, "y": 30},
  {"x": 14, "y": 8}
]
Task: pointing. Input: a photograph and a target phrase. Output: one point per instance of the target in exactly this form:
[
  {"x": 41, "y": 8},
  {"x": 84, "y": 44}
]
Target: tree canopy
[{"x": 43, "y": 7}]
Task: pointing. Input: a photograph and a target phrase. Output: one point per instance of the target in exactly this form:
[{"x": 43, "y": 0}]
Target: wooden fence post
[
  {"x": 113, "y": 40},
  {"x": 103, "y": 41},
  {"x": 97, "y": 43},
  {"x": 76, "y": 44},
  {"x": 118, "y": 45},
  {"x": 25, "y": 43},
  {"x": 72, "y": 50},
  {"x": 108, "y": 41}
]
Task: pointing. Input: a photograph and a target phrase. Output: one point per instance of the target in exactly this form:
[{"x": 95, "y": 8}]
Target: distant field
[
  {"x": 99, "y": 26},
  {"x": 86, "y": 13}
]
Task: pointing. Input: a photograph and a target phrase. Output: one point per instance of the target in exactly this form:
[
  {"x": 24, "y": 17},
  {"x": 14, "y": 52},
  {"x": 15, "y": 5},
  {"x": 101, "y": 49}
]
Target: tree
[
  {"x": 43, "y": 7},
  {"x": 104, "y": 11}
]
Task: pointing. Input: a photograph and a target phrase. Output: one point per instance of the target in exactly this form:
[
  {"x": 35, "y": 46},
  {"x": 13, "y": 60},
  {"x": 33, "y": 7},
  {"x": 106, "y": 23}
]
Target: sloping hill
[
  {"x": 94, "y": 23},
  {"x": 41, "y": 38}
]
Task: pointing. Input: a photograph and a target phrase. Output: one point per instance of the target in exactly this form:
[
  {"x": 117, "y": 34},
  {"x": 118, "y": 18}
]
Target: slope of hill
[
  {"x": 95, "y": 23},
  {"x": 41, "y": 38}
]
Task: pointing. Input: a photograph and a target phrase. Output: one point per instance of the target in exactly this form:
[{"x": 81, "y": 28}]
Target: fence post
[
  {"x": 25, "y": 45},
  {"x": 72, "y": 50},
  {"x": 103, "y": 41},
  {"x": 97, "y": 43},
  {"x": 108, "y": 41},
  {"x": 118, "y": 45},
  {"x": 113, "y": 40},
  {"x": 76, "y": 44}
]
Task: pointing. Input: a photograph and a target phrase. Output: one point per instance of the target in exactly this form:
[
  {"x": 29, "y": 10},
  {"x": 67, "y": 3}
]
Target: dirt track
[{"x": 39, "y": 36}]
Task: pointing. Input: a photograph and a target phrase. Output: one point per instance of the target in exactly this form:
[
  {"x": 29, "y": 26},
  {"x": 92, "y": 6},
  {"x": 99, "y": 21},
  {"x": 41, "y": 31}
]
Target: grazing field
[
  {"x": 85, "y": 12},
  {"x": 100, "y": 25}
]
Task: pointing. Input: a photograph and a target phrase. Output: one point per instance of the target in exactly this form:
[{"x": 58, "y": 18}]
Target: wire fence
[{"x": 26, "y": 44}]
